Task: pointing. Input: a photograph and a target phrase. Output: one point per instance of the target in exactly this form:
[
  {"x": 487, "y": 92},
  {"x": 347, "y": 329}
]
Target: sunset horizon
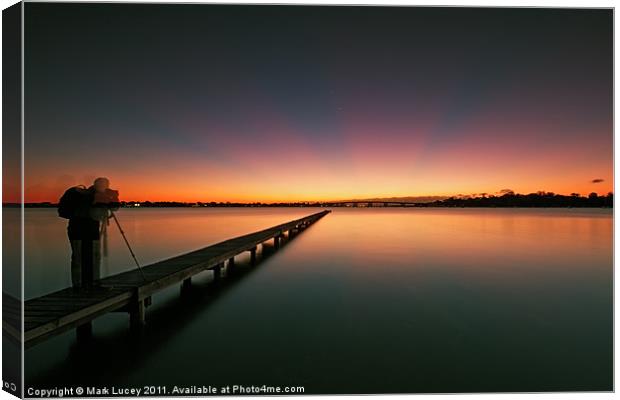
[
  {"x": 391, "y": 116},
  {"x": 292, "y": 199}
]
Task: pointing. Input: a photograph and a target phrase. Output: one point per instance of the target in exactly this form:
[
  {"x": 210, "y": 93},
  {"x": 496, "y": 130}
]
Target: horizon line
[{"x": 395, "y": 199}]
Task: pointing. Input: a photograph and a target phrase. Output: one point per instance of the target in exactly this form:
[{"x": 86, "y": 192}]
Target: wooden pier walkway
[{"x": 131, "y": 291}]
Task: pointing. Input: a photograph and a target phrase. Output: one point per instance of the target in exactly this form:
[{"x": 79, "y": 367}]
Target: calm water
[{"x": 365, "y": 300}]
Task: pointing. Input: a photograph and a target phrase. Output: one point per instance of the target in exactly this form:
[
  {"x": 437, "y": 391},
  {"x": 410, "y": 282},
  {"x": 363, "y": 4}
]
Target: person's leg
[
  {"x": 96, "y": 260},
  {"x": 76, "y": 263},
  {"x": 87, "y": 262},
  {"x": 85, "y": 331}
]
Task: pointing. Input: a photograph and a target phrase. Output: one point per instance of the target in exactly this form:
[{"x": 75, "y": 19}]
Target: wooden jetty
[{"x": 131, "y": 291}]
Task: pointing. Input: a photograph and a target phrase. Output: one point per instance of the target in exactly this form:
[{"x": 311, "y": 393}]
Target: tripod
[{"x": 128, "y": 245}]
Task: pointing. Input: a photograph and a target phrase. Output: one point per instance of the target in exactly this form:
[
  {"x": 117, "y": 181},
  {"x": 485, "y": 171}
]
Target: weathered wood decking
[{"x": 130, "y": 291}]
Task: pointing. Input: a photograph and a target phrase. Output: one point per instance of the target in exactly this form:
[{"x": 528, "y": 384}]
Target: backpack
[{"x": 69, "y": 202}]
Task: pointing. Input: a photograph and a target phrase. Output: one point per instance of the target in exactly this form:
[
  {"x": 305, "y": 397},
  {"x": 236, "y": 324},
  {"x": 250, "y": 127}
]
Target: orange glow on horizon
[
  {"x": 130, "y": 192},
  {"x": 371, "y": 156},
  {"x": 352, "y": 112}
]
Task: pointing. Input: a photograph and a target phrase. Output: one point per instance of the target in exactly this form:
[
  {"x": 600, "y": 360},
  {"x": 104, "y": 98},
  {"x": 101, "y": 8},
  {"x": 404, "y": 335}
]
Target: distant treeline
[
  {"x": 539, "y": 199},
  {"x": 507, "y": 199}
]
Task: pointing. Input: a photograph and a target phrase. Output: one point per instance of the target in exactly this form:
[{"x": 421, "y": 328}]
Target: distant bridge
[{"x": 370, "y": 203}]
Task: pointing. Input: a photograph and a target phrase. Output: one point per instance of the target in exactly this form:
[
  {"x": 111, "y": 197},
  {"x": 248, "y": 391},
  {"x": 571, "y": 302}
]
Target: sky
[{"x": 299, "y": 103}]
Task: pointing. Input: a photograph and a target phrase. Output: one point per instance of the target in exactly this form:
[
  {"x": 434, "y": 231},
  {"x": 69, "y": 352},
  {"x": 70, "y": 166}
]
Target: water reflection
[{"x": 366, "y": 300}]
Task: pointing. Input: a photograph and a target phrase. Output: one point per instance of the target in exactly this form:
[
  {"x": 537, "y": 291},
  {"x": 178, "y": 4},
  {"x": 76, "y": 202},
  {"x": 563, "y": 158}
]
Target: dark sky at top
[{"x": 188, "y": 101}]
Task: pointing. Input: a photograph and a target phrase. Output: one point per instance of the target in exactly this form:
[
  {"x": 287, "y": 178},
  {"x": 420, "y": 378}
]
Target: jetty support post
[
  {"x": 84, "y": 332},
  {"x": 253, "y": 255},
  {"x": 217, "y": 272},
  {"x": 137, "y": 314},
  {"x": 230, "y": 266},
  {"x": 280, "y": 238},
  {"x": 186, "y": 285}
]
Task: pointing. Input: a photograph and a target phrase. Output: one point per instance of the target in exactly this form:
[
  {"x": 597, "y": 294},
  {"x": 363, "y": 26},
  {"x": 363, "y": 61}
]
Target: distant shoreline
[
  {"x": 506, "y": 200},
  {"x": 43, "y": 206}
]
